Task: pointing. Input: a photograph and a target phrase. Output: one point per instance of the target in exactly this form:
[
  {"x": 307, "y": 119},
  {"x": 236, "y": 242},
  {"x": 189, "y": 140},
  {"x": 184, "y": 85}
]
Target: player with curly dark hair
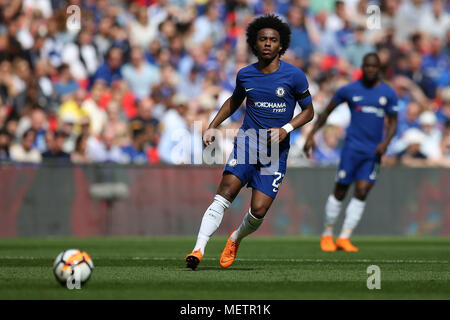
[
  {"x": 271, "y": 22},
  {"x": 272, "y": 88}
]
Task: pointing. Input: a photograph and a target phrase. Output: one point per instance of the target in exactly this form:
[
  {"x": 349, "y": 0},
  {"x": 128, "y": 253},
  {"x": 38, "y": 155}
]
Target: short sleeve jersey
[
  {"x": 368, "y": 107},
  {"x": 271, "y": 97}
]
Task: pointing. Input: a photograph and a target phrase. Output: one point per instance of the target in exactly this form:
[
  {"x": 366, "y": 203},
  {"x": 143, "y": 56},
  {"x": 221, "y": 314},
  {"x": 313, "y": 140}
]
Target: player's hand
[
  {"x": 209, "y": 136},
  {"x": 381, "y": 149},
  {"x": 276, "y": 135},
  {"x": 309, "y": 145}
]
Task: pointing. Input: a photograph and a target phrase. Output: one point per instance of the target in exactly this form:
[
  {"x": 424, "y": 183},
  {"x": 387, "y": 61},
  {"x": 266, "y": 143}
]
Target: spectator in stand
[
  {"x": 173, "y": 132},
  {"x": 79, "y": 155},
  {"x": 106, "y": 150},
  {"x": 46, "y": 95},
  {"x": 140, "y": 75},
  {"x": 359, "y": 15},
  {"x": 136, "y": 151},
  {"x": 82, "y": 56},
  {"x": 411, "y": 120},
  {"x": 55, "y": 142},
  {"x": 327, "y": 151},
  {"x": 355, "y": 52},
  {"x": 406, "y": 19},
  {"x": 166, "y": 88},
  {"x": 121, "y": 94},
  {"x": 432, "y": 135},
  {"x": 328, "y": 43},
  {"x": 444, "y": 158},
  {"x": 39, "y": 123},
  {"x": 346, "y": 35},
  {"x": 435, "y": 64},
  {"x": 208, "y": 26},
  {"x": 66, "y": 84},
  {"x": 388, "y": 52},
  {"x": 67, "y": 125},
  {"x": 5, "y": 142},
  {"x": 196, "y": 57},
  {"x": 102, "y": 38},
  {"x": 194, "y": 49},
  {"x": 146, "y": 122},
  {"x": 303, "y": 36},
  {"x": 120, "y": 40},
  {"x": 43, "y": 6},
  {"x": 412, "y": 156},
  {"x": 446, "y": 50},
  {"x": 4, "y": 115},
  {"x": 25, "y": 152},
  {"x": 443, "y": 114},
  {"x": 192, "y": 86},
  {"x": 116, "y": 122},
  {"x": 91, "y": 107},
  {"x": 141, "y": 30},
  {"x": 110, "y": 70},
  {"x": 27, "y": 99},
  {"x": 388, "y": 12},
  {"x": 8, "y": 87},
  {"x": 335, "y": 21},
  {"x": 11, "y": 126},
  {"x": 72, "y": 109},
  {"x": 435, "y": 21},
  {"x": 86, "y": 129}
]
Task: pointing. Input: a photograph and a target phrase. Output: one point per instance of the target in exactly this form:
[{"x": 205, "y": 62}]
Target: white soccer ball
[{"x": 73, "y": 264}]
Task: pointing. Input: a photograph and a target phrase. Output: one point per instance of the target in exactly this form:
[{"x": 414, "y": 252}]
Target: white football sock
[
  {"x": 248, "y": 225},
  {"x": 211, "y": 221},
  {"x": 353, "y": 214},
  {"x": 332, "y": 210}
]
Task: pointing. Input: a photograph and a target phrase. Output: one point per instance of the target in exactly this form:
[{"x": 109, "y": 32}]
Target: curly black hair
[{"x": 273, "y": 22}]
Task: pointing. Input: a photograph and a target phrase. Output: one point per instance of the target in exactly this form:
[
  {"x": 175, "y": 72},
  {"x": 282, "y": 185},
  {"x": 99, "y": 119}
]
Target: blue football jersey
[
  {"x": 271, "y": 97},
  {"x": 368, "y": 107}
]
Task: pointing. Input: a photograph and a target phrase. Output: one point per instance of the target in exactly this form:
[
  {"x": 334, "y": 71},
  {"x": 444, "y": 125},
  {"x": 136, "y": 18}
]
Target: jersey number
[{"x": 276, "y": 182}]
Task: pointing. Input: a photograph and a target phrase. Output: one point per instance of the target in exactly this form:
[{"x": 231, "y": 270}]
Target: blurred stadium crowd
[{"x": 129, "y": 86}]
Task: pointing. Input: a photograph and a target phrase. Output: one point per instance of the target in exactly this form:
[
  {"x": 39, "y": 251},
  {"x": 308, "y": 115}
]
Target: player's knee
[
  {"x": 339, "y": 195},
  {"x": 340, "y": 192},
  {"x": 258, "y": 211},
  {"x": 227, "y": 193},
  {"x": 361, "y": 193}
]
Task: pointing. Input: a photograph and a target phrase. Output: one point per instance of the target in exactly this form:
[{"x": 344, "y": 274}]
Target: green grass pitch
[{"x": 266, "y": 268}]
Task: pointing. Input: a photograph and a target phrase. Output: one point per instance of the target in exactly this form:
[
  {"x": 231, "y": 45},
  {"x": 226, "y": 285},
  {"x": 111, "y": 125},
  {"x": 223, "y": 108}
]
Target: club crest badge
[{"x": 280, "y": 92}]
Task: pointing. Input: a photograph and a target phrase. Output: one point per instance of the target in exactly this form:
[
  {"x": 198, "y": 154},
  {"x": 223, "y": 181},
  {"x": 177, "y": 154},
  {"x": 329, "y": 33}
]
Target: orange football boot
[
  {"x": 193, "y": 259},
  {"x": 229, "y": 253},
  {"x": 327, "y": 244},
  {"x": 346, "y": 245}
]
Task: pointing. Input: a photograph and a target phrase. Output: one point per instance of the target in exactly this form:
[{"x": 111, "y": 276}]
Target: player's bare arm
[
  {"x": 279, "y": 134},
  {"x": 321, "y": 120},
  {"x": 227, "y": 109},
  {"x": 391, "y": 128}
]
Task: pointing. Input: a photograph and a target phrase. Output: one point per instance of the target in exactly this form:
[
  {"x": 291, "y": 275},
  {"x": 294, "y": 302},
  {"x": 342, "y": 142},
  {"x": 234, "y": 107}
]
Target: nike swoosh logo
[
  {"x": 357, "y": 98},
  {"x": 247, "y": 90},
  {"x": 225, "y": 261}
]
